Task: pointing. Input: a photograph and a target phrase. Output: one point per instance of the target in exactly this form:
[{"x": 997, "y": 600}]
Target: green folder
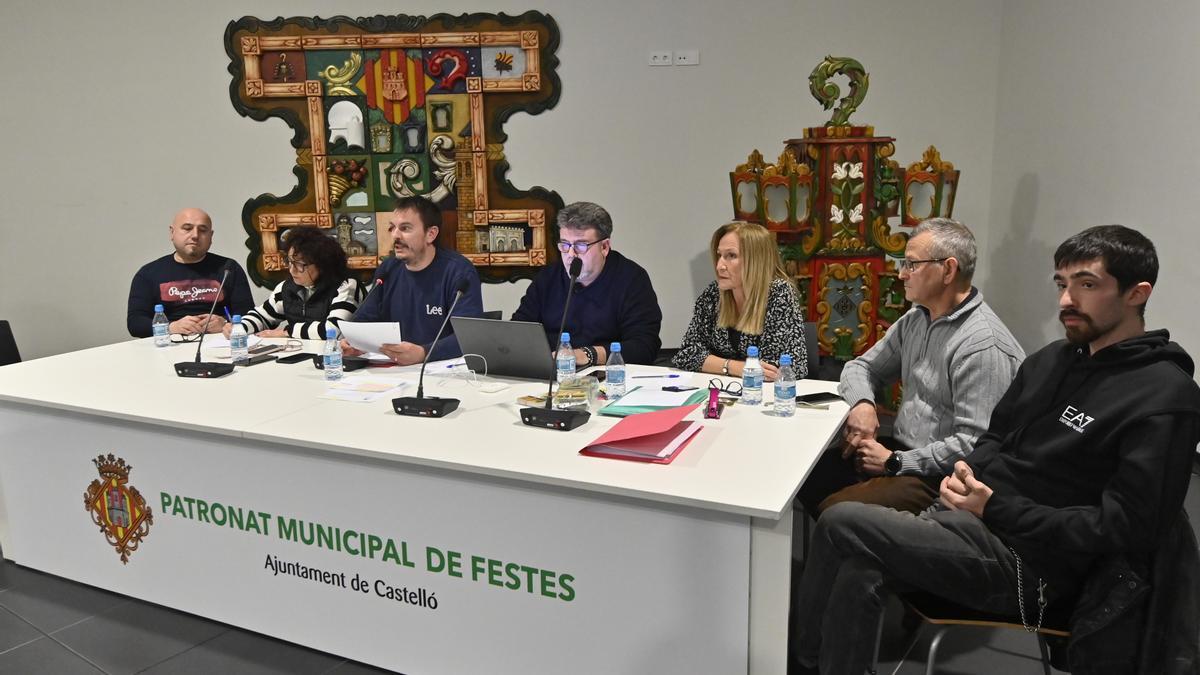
[{"x": 615, "y": 409}]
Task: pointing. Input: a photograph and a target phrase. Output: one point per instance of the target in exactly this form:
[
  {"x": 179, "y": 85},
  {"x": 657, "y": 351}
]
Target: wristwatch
[
  {"x": 725, "y": 368},
  {"x": 892, "y": 465}
]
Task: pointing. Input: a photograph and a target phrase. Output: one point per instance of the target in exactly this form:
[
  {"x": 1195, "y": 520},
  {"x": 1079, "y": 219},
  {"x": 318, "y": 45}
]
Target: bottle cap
[
  {"x": 330, "y": 333},
  {"x": 785, "y": 359},
  {"x": 614, "y": 347},
  {"x": 566, "y": 337},
  {"x": 237, "y": 318},
  {"x": 752, "y": 352},
  {"x": 158, "y": 308}
]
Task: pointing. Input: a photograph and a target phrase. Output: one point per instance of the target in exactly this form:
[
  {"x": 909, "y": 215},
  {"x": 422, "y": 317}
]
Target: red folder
[{"x": 655, "y": 437}]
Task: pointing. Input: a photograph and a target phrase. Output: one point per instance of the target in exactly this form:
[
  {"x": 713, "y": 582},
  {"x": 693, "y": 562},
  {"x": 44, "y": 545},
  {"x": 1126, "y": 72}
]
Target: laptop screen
[{"x": 505, "y": 348}]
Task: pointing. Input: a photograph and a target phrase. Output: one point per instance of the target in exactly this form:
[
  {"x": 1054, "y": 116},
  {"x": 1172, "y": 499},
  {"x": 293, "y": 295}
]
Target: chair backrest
[
  {"x": 667, "y": 353},
  {"x": 494, "y": 314},
  {"x": 8, "y": 345},
  {"x": 812, "y": 346}
]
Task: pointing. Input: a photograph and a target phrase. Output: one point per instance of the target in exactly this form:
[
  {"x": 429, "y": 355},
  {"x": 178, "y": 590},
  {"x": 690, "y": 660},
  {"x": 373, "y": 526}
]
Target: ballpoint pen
[{"x": 652, "y": 377}]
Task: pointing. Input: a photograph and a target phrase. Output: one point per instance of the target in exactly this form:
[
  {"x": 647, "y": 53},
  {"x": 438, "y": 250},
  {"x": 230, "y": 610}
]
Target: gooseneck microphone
[
  {"x": 576, "y": 270},
  {"x": 547, "y": 417},
  {"x": 199, "y": 368},
  {"x": 374, "y": 287},
  {"x": 419, "y": 406}
]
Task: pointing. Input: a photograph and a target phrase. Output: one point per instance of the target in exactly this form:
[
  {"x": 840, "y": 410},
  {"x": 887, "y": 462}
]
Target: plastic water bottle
[
  {"x": 785, "y": 388},
  {"x": 752, "y": 378},
  {"x": 614, "y": 372},
  {"x": 239, "y": 342},
  {"x": 331, "y": 360},
  {"x": 161, "y": 325},
  {"x": 565, "y": 359}
]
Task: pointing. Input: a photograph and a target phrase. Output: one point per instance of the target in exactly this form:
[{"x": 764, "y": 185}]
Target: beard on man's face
[{"x": 1081, "y": 332}]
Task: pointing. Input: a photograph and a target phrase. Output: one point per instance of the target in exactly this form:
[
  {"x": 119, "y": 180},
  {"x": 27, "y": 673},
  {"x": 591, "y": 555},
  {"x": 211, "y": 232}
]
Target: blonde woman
[{"x": 752, "y": 302}]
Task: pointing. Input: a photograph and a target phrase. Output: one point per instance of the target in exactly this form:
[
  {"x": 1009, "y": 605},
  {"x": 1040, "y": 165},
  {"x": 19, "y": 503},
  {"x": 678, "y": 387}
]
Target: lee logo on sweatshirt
[
  {"x": 1075, "y": 418},
  {"x": 433, "y": 309}
]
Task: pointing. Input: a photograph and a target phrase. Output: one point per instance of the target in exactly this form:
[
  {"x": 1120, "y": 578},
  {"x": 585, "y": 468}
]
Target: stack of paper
[
  {"x": 368, "y": 337},
  {"x": 647, "y": 399}
]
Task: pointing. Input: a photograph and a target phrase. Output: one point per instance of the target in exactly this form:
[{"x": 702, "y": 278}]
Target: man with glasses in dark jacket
[{"x": 613, "y": 301}]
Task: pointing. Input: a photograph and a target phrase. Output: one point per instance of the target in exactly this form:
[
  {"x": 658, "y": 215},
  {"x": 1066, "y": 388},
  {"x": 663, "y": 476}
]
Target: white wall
[
  {"x": 127, "y": 118},
  {"x": 1096, "y": 124}
]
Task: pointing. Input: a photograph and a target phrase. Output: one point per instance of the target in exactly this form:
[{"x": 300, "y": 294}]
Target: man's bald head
[{"x": 191, "y": 234}]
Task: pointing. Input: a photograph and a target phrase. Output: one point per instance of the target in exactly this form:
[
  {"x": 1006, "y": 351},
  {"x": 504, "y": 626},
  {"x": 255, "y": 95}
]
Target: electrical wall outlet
[
  {"x": 687, "y": 57},
  {"x": 661, "y": 58}
]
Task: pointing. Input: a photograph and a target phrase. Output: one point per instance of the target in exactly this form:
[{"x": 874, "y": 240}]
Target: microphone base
[
  {"x": 428, "y": 406},
  {"x": 202, "y": 369},
  {"x": 559, "y": 420}
]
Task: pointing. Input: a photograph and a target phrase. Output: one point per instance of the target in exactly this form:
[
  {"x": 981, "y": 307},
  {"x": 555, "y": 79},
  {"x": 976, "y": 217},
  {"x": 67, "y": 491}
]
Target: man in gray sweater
[{"x": 954, "y": 358}]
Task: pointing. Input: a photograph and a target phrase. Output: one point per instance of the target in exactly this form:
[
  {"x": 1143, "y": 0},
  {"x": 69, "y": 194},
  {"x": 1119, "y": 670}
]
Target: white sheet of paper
[
  {"x": 219, "y": 341},
  {"x": 447, "y": 367},
  {"x": 655, "y": 396},
  {"x": 369, "y": 336},
  {"x": 216, "y": 346},
  {"x": 364, "y": 388}
]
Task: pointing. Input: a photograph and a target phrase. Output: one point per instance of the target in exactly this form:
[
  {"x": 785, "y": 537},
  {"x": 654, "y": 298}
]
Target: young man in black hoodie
[{"x": 1087, "y": 455}]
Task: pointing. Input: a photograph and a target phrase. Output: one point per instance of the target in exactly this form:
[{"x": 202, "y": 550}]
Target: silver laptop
[{"x": 512, "y": 348}]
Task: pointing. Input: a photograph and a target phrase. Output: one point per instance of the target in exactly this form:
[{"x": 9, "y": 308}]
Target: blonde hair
[{"x": 761, "y": 265}]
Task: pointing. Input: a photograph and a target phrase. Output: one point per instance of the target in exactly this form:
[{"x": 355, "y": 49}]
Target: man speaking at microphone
[
  {"x": 613, "y": 301},
  {"x": 419, "y": 285},
  {"x": 185, "y": 282}
]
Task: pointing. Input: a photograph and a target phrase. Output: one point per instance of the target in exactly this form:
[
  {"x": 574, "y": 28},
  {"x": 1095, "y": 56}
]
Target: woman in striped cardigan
[{"x": 317, "y": 295}]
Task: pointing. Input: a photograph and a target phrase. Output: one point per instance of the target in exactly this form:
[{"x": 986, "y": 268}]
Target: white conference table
[{"x": 333, "y": 524}]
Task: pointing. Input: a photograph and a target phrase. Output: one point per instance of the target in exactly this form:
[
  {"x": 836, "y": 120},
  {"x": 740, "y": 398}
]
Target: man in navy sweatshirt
[
  {"x": 186, "y": 281},
  {"x": 419, "y": 284},
  {"x": 613, "y": 302},
  {"x": 1086, "y": 458}
]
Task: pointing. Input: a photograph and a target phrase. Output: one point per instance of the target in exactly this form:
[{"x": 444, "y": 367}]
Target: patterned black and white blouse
[{"x": 783, "y": 332}]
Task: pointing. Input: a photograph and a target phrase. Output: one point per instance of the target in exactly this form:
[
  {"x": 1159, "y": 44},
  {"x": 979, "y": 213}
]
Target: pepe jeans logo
[
  {"x": 198, "y": 290},
  {"x": 1075, "y": 418},
  {"x": 117, "y": 507}
]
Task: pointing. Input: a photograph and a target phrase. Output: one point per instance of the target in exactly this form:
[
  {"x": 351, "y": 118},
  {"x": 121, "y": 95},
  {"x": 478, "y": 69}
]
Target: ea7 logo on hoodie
[{"x": 1075, "y": 418}]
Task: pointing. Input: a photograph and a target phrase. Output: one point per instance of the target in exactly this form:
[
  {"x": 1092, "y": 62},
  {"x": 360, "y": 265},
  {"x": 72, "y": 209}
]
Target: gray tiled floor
[{"x": 53, "y": 626}]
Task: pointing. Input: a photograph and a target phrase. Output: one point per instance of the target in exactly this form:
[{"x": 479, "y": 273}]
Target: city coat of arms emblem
[
  {"x": 117, "y": 507},
  {"x": 394, "y": 87}
]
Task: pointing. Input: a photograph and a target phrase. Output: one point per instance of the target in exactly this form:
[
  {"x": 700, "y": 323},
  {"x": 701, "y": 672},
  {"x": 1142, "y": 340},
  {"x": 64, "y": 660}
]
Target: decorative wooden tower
[{"x": 831, "y": 199}]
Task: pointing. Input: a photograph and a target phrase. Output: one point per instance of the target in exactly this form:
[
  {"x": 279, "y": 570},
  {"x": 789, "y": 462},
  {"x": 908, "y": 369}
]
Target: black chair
[
  {"x": 944, "y": 614},
  {"x": 8, "y": 345},
  {"x": 812, "y": 347},
  {"x": 494, "y": 314},
  {"x": 664, "y": 356}
]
